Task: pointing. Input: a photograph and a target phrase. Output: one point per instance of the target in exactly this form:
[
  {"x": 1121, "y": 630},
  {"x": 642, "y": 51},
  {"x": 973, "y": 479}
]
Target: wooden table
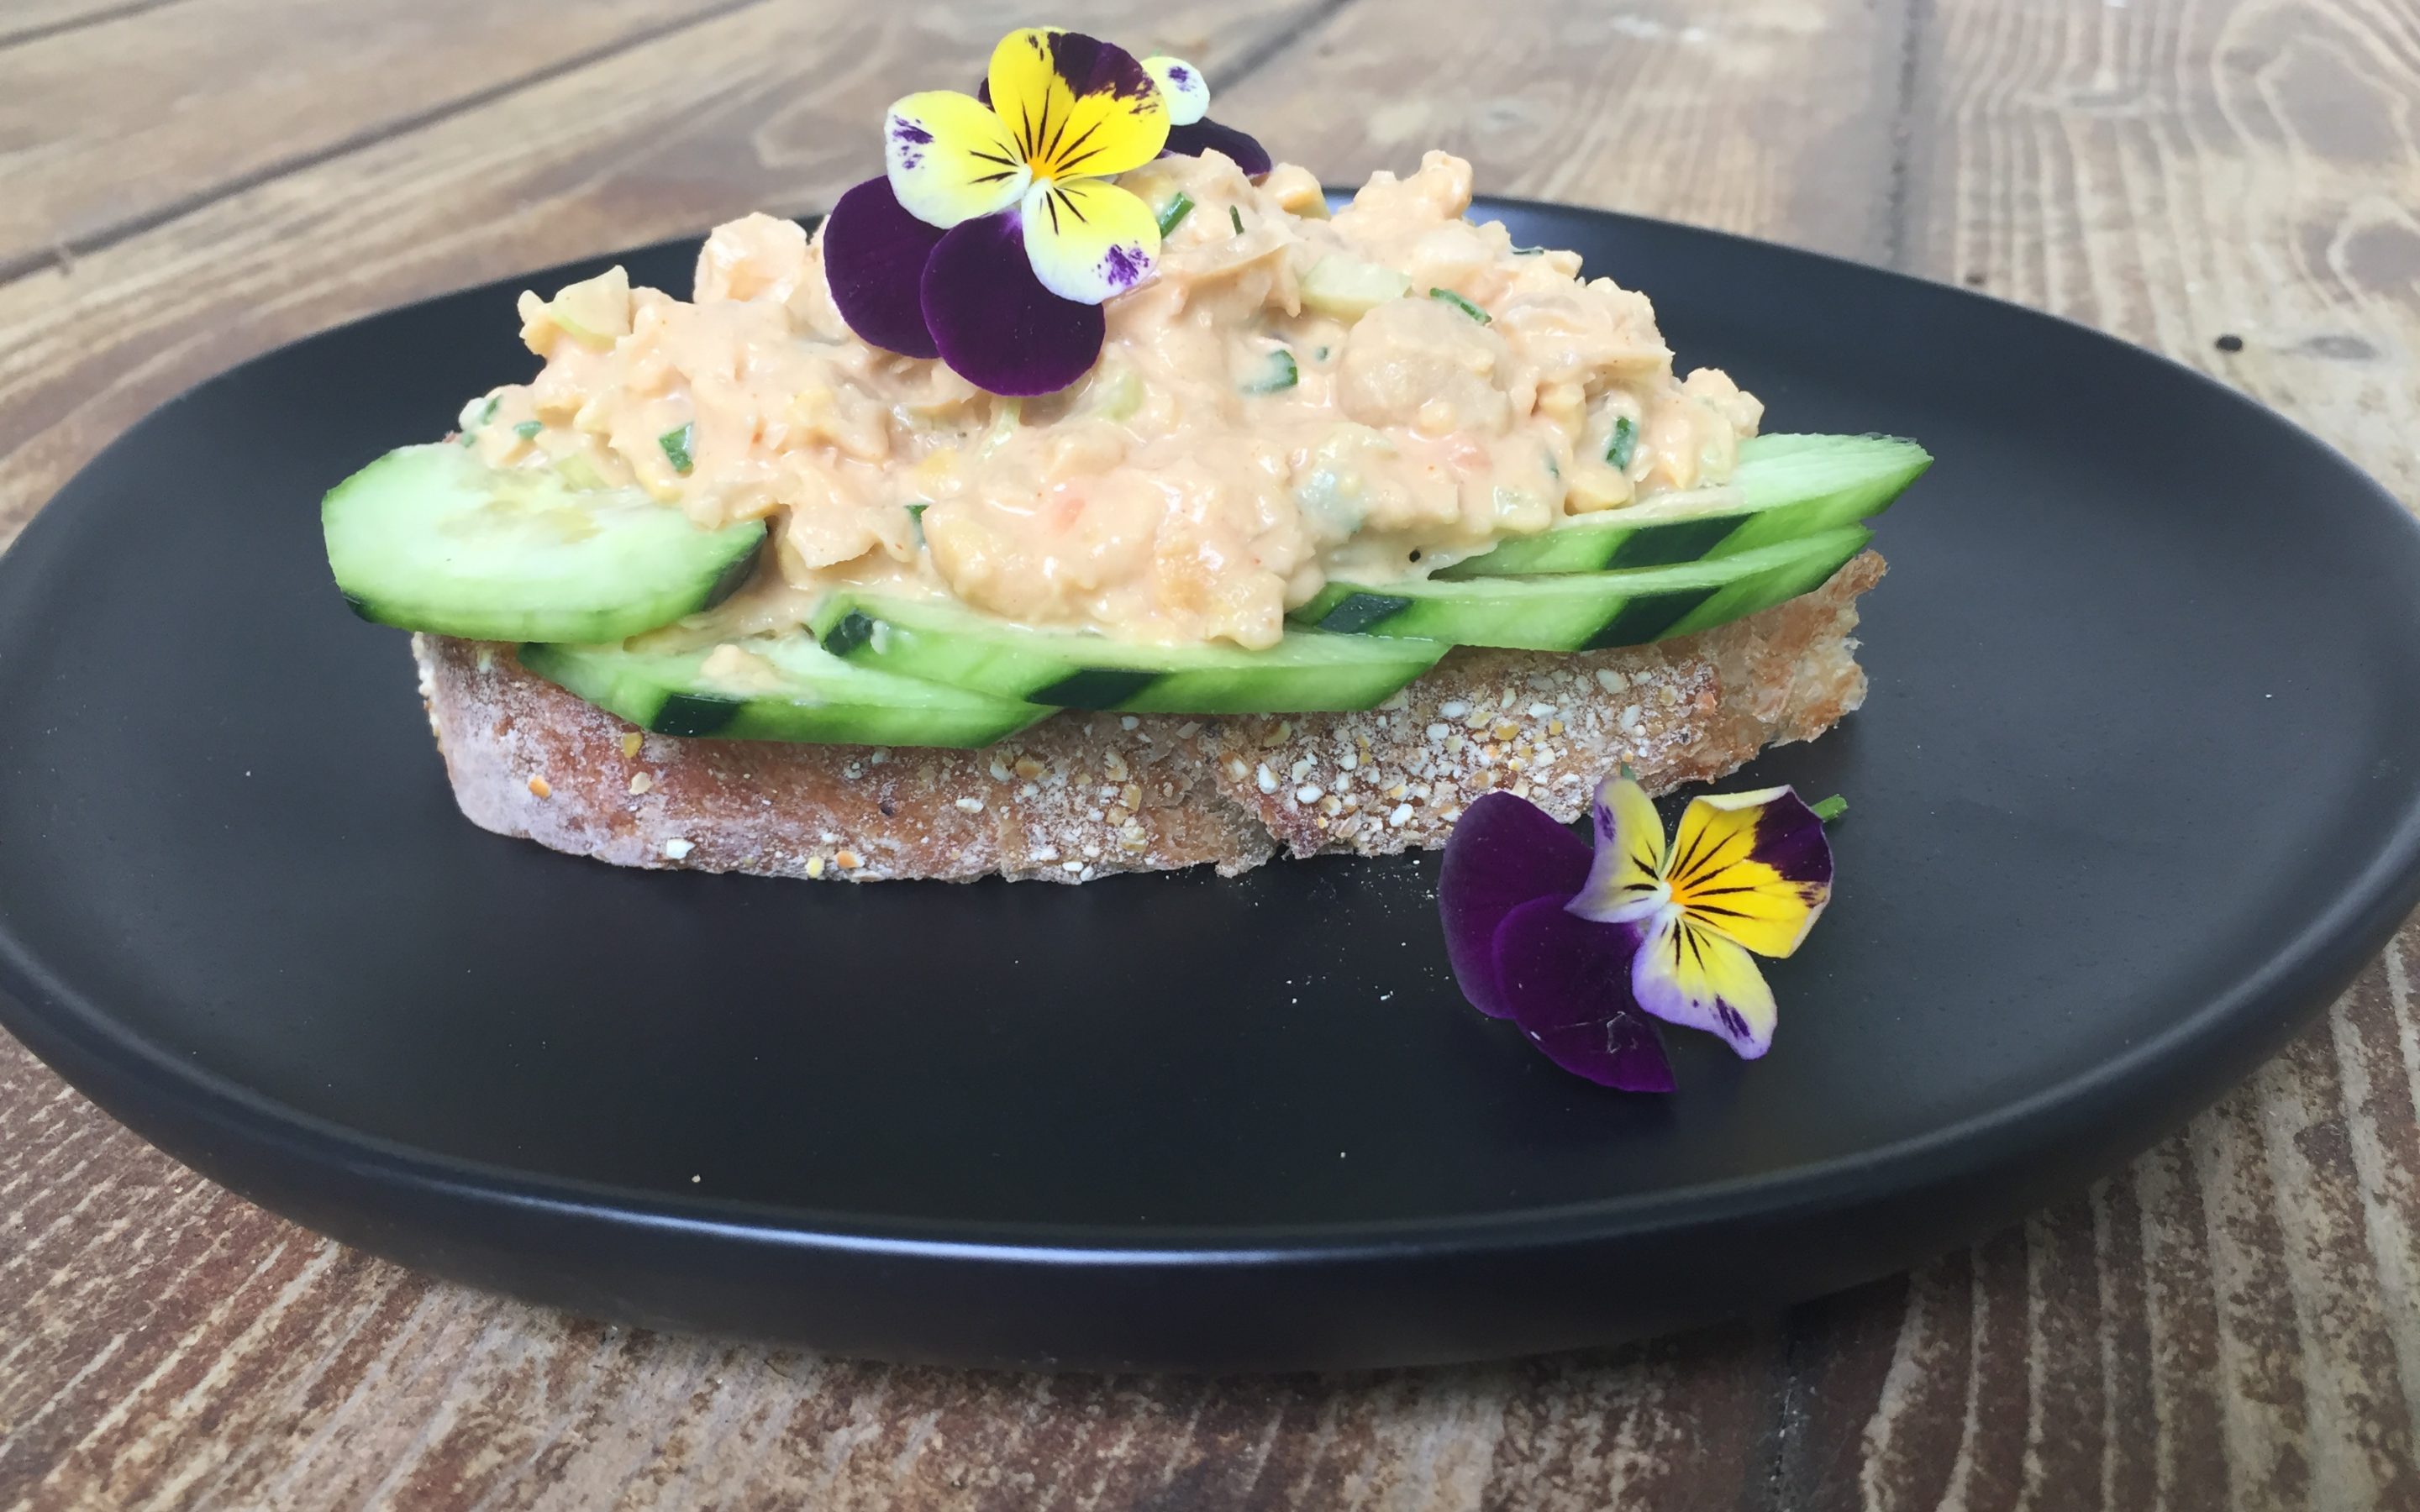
[{"x": 2232, "y": 1322}]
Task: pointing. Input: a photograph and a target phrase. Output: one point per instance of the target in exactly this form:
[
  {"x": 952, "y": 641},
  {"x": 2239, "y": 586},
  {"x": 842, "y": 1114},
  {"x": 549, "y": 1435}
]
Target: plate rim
[{"x": 2209, "y": 1047}]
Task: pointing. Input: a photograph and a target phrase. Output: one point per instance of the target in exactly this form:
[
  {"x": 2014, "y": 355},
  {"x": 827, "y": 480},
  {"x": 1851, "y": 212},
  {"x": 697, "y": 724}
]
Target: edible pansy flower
[
  {"x": 1581, "y": 949},
  {"x": 1190, "y": 130},
  {"x": 995, "y": 235}
]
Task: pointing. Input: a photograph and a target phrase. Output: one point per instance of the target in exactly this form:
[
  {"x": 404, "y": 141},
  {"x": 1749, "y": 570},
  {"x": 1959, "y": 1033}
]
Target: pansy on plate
[
  {"x": 1583, "y": 947},
  {"x": 996, "y": 233}
]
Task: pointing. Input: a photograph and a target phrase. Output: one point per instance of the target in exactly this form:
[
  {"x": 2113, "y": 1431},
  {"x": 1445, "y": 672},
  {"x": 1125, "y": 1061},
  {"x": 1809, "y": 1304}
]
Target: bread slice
[{"x": 1080, "y": 795}]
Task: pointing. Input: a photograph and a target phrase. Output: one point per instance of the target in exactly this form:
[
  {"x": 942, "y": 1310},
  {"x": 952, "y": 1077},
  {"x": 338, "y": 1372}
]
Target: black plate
[{"x": 2134, "y": 791}]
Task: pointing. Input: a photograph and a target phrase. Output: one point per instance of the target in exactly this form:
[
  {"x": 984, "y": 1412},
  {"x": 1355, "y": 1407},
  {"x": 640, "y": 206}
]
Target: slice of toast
[{"x": 1080, "y": 795}]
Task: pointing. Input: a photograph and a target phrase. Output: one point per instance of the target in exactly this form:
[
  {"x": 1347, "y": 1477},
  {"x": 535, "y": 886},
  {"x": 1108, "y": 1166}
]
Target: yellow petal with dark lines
[
  {"x": 1752, "y": 866},
  {"x": 1626, "y": 881},
  {"x": 1686, "y": 974},
  {"x": 1076, "y": 106},
  {"x": 1089, "y": 240},
  {"x": 949, "y": 160}
]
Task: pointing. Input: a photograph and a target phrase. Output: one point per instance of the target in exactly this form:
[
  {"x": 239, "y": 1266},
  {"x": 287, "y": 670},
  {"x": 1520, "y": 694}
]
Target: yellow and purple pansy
[
  {"x": 1190, "y": 130},
  {"x": 996, "y": 233},
  {"x": 1582, "y": 947}
]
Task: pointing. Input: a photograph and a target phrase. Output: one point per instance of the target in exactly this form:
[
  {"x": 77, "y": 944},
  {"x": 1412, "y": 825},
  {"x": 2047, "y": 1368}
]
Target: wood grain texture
[
  {"x": 757, "y": 104},
  {"x": 32, "y": 21},
  {"x": 2233, "y": 1322},
  {"x": 186, "y": 91}
]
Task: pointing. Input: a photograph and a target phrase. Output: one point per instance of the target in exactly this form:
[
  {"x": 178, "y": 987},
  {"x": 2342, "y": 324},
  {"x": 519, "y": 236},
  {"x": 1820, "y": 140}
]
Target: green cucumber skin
[
  {"x": 842, "y": 705},
  {"x": 1881, "y": 469},
  {"x": 405, "y": 542},
  {"x": 1341, "y": 690},
  {"x": 1587, "y": 612},
  {"x": 1775, "y": 585},
  {"x": 1311, "y": 672}
]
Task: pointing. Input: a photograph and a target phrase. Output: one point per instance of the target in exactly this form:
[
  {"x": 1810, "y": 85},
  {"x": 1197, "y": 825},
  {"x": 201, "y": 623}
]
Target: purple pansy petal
[
  {"x": 993, "y": 321},
  {"x": 1504, "y": 852},
  {"x": 874, "y": 257},
  {"x": 1203, "y": 135},
  {"x": 1566, "y": 982}
]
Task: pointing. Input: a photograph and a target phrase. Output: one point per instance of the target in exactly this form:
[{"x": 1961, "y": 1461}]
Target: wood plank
[
  {"x": 32, "y": 21},
  {"x": 770, "y": 106},
  {"x": 2178, "y": 173},
  {"x": 189, "y": 92},
  {"x": 361, "y": 1383},
  {"x": 1773, "y": 119},
  {"x": 192, "y": 1350},
  {"x": 2230, "y": 1323},
  {"x": 2238, "y": 1310}
]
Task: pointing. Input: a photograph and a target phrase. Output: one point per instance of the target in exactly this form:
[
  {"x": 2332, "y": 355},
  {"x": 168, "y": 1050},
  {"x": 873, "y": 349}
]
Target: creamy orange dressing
[{"x": 1165, "y": 496}]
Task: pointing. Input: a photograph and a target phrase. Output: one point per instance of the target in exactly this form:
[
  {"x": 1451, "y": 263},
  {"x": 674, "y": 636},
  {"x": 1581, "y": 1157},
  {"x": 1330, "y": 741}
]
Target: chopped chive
[
  {"x": 1467, "y": 308},
  {"x": 677, "y": 444},
  {"x": 1173, "y": 216},
  {"x": 916, "y": 518},
  {"x": 1528, "y": 251},
  {"x": 528, "y": 430},
  {"x": 490, "y": 413},
  {"x": 1278, "y": 372},
  {"x": 1830, "y": 808},
  {"x": 1237, "y": 217},
  {"x": 1624, "y": 441}
]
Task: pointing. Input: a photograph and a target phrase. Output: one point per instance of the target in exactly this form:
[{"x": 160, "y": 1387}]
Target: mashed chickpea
[{"x": 1285, "y": 402}]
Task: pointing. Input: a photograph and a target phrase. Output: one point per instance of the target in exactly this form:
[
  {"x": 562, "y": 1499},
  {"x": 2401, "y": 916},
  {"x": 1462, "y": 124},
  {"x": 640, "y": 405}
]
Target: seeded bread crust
[{"x": 1081, "y": 796}]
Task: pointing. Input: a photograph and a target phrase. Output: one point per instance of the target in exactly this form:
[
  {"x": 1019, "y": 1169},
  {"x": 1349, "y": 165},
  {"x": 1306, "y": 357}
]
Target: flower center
[{"x": 1050, "y": 150}]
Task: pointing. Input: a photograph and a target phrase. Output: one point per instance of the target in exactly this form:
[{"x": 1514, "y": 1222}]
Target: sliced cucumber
[
  {"x": 1786, "y": 487},
  {"x": 949, "y": 644},
  {"x": 776, "y": 688},
  {"x": 429, "y": 539},
  {"x": 1584, "y": 611}
]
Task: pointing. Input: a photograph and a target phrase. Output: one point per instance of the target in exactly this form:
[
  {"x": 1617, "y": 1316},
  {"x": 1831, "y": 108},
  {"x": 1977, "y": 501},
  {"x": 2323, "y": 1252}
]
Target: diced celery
[
  {"x": 1347, "y": 288},
  {"x": 595, "y": 311}
]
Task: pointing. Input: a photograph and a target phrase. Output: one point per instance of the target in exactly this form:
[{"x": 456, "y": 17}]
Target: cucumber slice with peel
[
  {"x": 1587, "y": 612},
  {"x": 427, "y": 538},
  {"x": 947, "y": 643},
  {"x": 1786, "y": 487},
  {"x": 776, "y": 688}
]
